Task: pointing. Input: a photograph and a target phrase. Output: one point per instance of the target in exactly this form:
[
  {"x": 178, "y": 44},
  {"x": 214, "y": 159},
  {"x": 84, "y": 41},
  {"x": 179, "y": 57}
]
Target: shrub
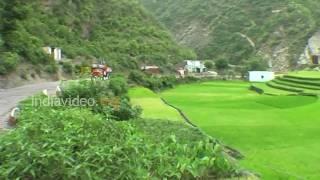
[
  {"x": 221, "y": 64},
  {"x": 8, "y": 62},
  {"x": 256, "y": 63},
  {"x": 73, "y": 143},
  {"x": 51, "y": 68},
  {"x": 125, "y": 111},
  {"x": 67, "y": 67},
  {"x": 109, "y": 97},
  {"x": 152, "y": 82},
  {"x": 168, "y": 82},
  {"x": 85, "y": 89},
  {"x": 137, "y": 77},
  {"x": 209, "y": 64},
  {"x": 118, "y": 86}
]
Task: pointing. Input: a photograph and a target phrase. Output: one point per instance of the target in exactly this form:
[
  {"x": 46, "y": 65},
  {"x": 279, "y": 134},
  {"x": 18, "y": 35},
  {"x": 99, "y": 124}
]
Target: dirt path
[{"x": 9, "y": 98}]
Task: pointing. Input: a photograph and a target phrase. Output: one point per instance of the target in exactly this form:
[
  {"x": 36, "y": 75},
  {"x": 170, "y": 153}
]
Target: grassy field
[
  {"x": 306, "y": 74},
  {"x": 269, "y": 90},
  {"x": 153, "y": 107},
  {"x": 279, "y": 135}
]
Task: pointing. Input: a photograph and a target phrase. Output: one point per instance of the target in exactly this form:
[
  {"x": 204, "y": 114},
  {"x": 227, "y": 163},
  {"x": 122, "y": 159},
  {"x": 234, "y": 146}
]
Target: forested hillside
[
  {"x": 119, "y": 31},
  {"x": 241, "y": 31}
]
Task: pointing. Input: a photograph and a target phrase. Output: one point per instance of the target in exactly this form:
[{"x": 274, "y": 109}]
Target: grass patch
[
  {"x": 271, "y": 91},
  {"x": 284, "y": 87},
  {"x": 284, "y": 102},
  {"x": 153, "y": 106},
  {"x": 296, "y": 85},
  {"x": 300, "y": 81},
  {"x": 306, "y": 74}
]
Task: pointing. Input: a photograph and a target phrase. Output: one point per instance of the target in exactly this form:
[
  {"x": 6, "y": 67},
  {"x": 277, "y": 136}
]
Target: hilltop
[
  {"x": 121, "y": 32},
  {"x": 275, "y": 32}
]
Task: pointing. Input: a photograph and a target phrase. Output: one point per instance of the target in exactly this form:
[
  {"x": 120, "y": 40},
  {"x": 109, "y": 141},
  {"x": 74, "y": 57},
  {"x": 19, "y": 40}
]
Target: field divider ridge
[
  {"x": 184, "y": 116},
  {"x": 229, "y": 150}
]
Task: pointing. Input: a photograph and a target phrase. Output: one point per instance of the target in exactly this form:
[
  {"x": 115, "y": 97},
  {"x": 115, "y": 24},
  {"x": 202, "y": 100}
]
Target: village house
[
  {"x": 195, "y": 66},
  {"x": 153, "y": 70},
  {"x": 314, "y": 55},
  {"x": 313, "y": 49},
  {"x": 181, "y": 72},
  {"x": 261, "y": 76},
  {"x": 55, "y": 52}
]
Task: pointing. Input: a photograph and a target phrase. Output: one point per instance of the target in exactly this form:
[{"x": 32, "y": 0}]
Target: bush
[
  {"x": 85, "y": 89},
  {"x": 109, "y": 97},
  {"x": 221, "y": 64},
  {"x": 152, "y": 82},
  {"x": 8, "y": 62},
  {"x": 51, "y": 68},
  {"x": 125, "y": 111},
  {"x": 209, "y": 64},
  {"x": 67, "y": 67},
  {"x": 137, "y": 77},
  {"x": 118, "y": 86},
  {"x": 73, "y": 143},
  {"x": 256, "y": 63}
]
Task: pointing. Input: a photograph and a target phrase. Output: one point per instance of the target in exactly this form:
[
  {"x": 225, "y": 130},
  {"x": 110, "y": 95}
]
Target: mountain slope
[
  {"x": 119, "y": 31},
  {"x": 237, "y": 31}
]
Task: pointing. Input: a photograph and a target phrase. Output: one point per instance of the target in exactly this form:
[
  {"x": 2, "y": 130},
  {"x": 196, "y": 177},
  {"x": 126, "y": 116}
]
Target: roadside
[{"x": 9, "y": 98}]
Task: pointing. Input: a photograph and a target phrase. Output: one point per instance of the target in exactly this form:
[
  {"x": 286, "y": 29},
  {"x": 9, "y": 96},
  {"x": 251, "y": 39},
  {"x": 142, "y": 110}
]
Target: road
[{"x": 9, "y": 98}]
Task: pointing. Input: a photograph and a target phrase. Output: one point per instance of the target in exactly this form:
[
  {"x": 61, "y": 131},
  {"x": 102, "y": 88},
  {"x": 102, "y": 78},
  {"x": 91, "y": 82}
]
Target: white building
[
  {"x": 195, "y": 66},
  {"x": 56, "y": 53},
  {"x": 261, "y": 76}
]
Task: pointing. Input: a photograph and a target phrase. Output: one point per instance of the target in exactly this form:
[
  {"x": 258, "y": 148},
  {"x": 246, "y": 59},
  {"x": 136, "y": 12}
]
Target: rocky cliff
[{"x": 236, "y": 31}]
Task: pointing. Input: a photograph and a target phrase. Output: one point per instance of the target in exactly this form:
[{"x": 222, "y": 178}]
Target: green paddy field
[{"x": 279, "y": 135}]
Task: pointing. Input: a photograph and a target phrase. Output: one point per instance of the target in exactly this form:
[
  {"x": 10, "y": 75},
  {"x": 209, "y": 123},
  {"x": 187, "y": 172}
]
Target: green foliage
[
  {"x": 152, "y": 82},
  {"x": 119, "y": 31},
  {"x": 221, "y": 30},
  {"x": 158, "y": 83},
  {"x": 256, "y": 64},
  {"x": 67, "y": 67},
  {"x": 1, "y": 40},
  {"x": 8, "y": 62},
  {"x": 184, "y": 134},
  {"x": 221, "y": 64},
  {"x": 209, "y": 64},
  {"x": 73, "y": 143},
  {"x": 137, "y": 77},
  {"x": 109, "y": 97},
  {"x": 118, "y": 85},
  {"x": 51, "y": 68},
  {"x": 85, "y": 89},
  {"x": 125, "y": 111}
]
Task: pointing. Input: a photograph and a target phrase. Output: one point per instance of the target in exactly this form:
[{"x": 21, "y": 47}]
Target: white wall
[
  {"x": 260, "y": 76},
  {"x": 57, "y": 54},
  {"x": 193, "y": 65}
]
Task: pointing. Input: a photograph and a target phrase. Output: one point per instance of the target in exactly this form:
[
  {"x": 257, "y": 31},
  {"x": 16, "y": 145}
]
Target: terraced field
[
  {"x": 292, "y": 84},
  {"x": 306, "y": 74},
  {"x": 153, "y": 107},
  {"x": 279, "y": 135}
]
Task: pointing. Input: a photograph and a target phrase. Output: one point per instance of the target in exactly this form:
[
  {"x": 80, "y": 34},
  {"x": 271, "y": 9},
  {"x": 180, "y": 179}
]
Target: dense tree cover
[
  {"x": 237, "y": 30},
  {"x": 8, "y": 62},
  {"x": 156, "y": 83},
  {"x": 119, "y": 31}
]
